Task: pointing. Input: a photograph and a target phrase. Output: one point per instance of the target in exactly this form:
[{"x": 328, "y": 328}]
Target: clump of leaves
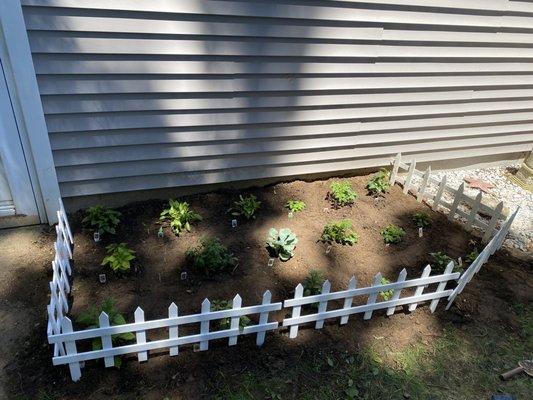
[
  {"x": 119, "y": 257},
  {"x": 471, "y": 257},
  {"x": 313, "y": 283},
  {"x": 211, "y": 257},
  {"x": 295, "y": 205},
  {"x": 392, "y": 234},
  {"x": 245, "y": 207},
  {"x": 101, "y": 219},
  {"x": 225, "y": 323},
  {"x": 90, "y": 319},
  {"x": 282, "y": 243},
  {"x": 342, "y": 193},
  {"x": 440, "y": 260},
  {"x": 422, "y": 220},
  {"x": 379, "y": 183},
  {"x": 386, "y": 294},
  {"x": 339, "y": 232},
  {"x": 180, "y": 216}
]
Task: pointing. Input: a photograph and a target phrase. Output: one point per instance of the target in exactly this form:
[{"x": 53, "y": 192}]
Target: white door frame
[{"x": 25, "y": 101}]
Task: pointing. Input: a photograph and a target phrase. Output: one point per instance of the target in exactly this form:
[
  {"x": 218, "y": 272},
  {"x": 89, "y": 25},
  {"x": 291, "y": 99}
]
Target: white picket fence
[
  {"x": 433, "y": 190},
  {"x": 409, "y": 293}
]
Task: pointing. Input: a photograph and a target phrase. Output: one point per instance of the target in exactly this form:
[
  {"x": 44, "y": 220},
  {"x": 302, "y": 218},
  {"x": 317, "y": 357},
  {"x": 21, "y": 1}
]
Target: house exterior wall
[{"x": 157, "y": 94}]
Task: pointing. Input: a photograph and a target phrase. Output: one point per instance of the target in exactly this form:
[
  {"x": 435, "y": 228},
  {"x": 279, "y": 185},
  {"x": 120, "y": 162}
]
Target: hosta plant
[
  {"x": 101, "y": 219},
  {"x": 342, "y": 193},
  {"x": 422, "y": 220},
  {"x": 90, "y": 319},
  {"x": 440, "y": 260},
  {"x": 282, "y": 243},
  {"x": 225, "y": 323},
  {"x": 246, "y": 207},
  {"x": 211, "y": 257},
  {"x": 119, "y": 257},
  {"x": 313, "y": 283},
  {"x": 379, "y": 183},
  {"x": 386, "y": 294},
  {"x": 295, "y": 205},
  {"x": 180, "y": 216},
  {"x": 392, "y": 234},
  {"x": 339, "y": 232}
]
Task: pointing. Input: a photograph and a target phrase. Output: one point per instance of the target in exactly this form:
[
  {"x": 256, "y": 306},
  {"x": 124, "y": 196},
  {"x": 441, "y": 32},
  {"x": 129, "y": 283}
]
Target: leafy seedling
[
  {"x": 386, "y": 294},
  {"x": 246, "y": 207},
  {"x": 119, "y": 257},
  {"x": 211, "y": 257},
  {"x": 101, "y": 219},
  {"x": 422, "y": 220},
  {"x": 440, "y": 260},
  {"x": 225, "y": 323},
  {"x": 313, "y": 283},
  {"x": 392, "y": 234},
  {"x": 339, "y": 232},
  {"x": 341, "y": 193},
  {"x": 281, "y": 244},
  {"x": 471, "y": 257},
  {"x": 379, "y": 183},
  {"x": 180, "y": 216},
  {"x": 295, "y": 205}
]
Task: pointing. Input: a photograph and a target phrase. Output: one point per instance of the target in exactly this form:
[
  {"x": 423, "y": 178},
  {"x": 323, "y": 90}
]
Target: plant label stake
[
  {"x": 96, "y": 236},
  {"x": 183, "y": 275},
  {"x": 233, "y": 223},
  {"x": 328, "y": 249},
  {"x": 420, "y": 232},
  {"x": 460, "y": 261},
  {"x": 270, "y": 262},
  {"x": 290, "y": 215},
  {"x": 102, "y": 278},
  {"x": 160, "y": 232}
]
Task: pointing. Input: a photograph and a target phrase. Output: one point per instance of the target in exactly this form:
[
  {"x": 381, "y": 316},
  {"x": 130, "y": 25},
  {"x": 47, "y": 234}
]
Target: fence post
[
  {"x": 373, "y": 296},
  {"x": 397, "y": 292},
  {"x": 438, "y": 196},
  {"x": 473, "y": 211},
  {"x": 348, "y": 301},
  {"x": 441, "y": 287},
  {"x": 74, "y": 367},
  {"x": 204, "y": 325},
  {"x": 492, "y": 223},
  {"x": 173, "y": 330},
  {"x": 263, "y": 318},
  {"x": 395, "y": 167},
  {"x": 298, "y": 292},
  {"x": 420, "y": 289},
  {"x": 140, "y": 335},
  {"x": 409, "y": 177},
  {"x": 456, "y": 201},
  {"x": 422, "y": 190},
  {"x": 236, "y": 304},
  {"x": 107, "y": 342},
  {"x": 323, "y": 305}
]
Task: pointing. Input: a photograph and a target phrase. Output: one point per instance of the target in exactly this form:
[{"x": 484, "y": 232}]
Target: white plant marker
[
  {"x": 96, "y": 236},
  {"x": 234, "y": 223},
  {"x": 234, "y": 324},
  {"x": 328, "y": 249},
  {"x": 183, "y": 275},
  {"x": 140, "y": 335},
  {"x": 420, "y": 232},
  {"x": 290, "y": 215},
  {"x": 102, "y": 278},
  {"x": 420, "y": 289},
  {"x": 270, "y": 262},
  {"x": 396, "y": 293},
  {"x": 107, "y": 343},
  {"x": 373, "y": 296},
  {"x": 323, "y": 305},
  {"x": 460, "y": 261},
  {"x": 263, "y": 318},
  {"x": 298, "y": 292},
  {"x": 348, "y": 301},
  {"x": 204, "y": 325},
  {"x": 173, "y": 330}
]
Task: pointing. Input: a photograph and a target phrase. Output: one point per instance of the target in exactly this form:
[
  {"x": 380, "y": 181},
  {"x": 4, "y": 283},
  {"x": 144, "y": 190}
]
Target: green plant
[
  {"x": 282, "y": 243},
  {"x": 440, "y": 260},
  {"x": 386, "y": 294},
  {"x": 471, "y": 257},
  {"x": 102, "y": 219},
  {"x": 295, "y": 205},
  {"x": 118, "y": 257},
  {"x": 180, "y": 215},
  {"x": 313, "y": 283},
  {"x": 225, "y": 323},
  {"x": 392, "y": 234},
  {"x": 379, "y": 183},
  {"x": 339, "y": 232},
  {"x": 245, "y": 207},
  {"x": 421, "y": 220},
  {"x": 211, "y": 257},
  {"x": 342, "y": 193},
  {"x": 90, "y": 319}
]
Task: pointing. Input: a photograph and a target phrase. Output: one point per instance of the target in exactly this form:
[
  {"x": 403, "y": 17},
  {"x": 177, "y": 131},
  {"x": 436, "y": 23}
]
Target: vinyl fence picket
[
  {"x": 140, "y": 335},
  {"x": 473, "y": 211},
  {"x": 441, "y": 287},
  {"x": 107, "y": 342},
  {"x": 70, "y": 346},
  {"x": 204, "y": 325},
  {"x": 409, "y": 177},
  {"x": 395, "y": 167},
  {"x": 397, "y": 292},
  {"x": 236, "y": 304},
  {"x": 492, "y": 223},
  {"x": 438, "y": 196},
  {"x": 173, "y": 330},
  {"x": 372, "y": 297},
  {"x": 422, "y": 191},
  {"x": 349, "y": 300},
  {"x": 322, "y": 306},
  {"x": 420, "y": 289},
  {"x": 456, "y": 201},
  {"x": 298, "y": 292},
  {"x": 263, "y": 318}
]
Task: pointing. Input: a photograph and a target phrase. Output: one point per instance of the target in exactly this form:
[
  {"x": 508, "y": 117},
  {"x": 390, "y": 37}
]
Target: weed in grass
[
  {"x": 119, "y": 257},
  {"x": 211, "y": 257},
  {"x": 392, "y": 234},
  {"x": 379, "y": 183},
  {"x": 101, "y": 219},
  {"x": 246, "y": 207},
  {"x": 339, "y": 232},
  {"x": 180, "y": 216},
  {"x": 341, "y": 193}
]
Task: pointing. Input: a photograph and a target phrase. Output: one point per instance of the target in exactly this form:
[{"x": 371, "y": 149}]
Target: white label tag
[
  {"x": 183, "y": 275},
  {"x": 328, "y": 249},
  {"x": 290, "y": 215},
  {"x": 96, "y": 236},
  {"x": 233, "y": 223},
  {"x": 270, "y": 262},
  {"x": 420, "y": 232},
  {"x": 102, "y": 278},
  {"x": 460, "y": 261}
]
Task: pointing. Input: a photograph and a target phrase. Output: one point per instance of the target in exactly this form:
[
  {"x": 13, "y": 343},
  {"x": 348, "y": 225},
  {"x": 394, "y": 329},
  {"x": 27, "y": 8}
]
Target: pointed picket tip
[
  {"x": 377, "y": 278},
  {"x": 173, "y": 307},
  {"x": 427, "y": 269},
  {"x": 403, "y": 273},
  {"x": 206, "y": 303},
  {"x": 352, "y": 280},
  {"x": 461, "y": 187},
  {"x": 66, "y": 323},
  {"x": 299, "y": 288},
  {"x": 139, "y": 312},
  {"x": 237, "y": 297},
  {"x": 326, "y": 285},
  {"x": 103, "y": 318},
  {"x": 267, "y": 295}
]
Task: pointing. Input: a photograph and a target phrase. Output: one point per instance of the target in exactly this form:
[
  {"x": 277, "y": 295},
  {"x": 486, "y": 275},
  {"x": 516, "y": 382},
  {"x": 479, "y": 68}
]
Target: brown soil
[{"x": 155, "y": 283}]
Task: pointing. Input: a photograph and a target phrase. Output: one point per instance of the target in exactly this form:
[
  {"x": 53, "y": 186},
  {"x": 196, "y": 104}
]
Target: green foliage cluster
[
  {"x": 471, "y": 257},
  {"x": 392, "y": 234},
  {"x": 313, "y": 283},
  {"x": 246, "y": 207},
  {"x": 339, "y": 232},
  {"x": 211, "y": 257},
  {"x": 386, "y": 294},
  {"x": 119, "y": 257},
  {"x": 282, "y": 243},
  {"x": 180, "y": 216},
  {"x": 342, "y": 193},
  {"x": 225, "y": 323},
  {"x": 440, "y": 260},
  {"x": 295, "y": 205},
  {"x": 90, "y": 319},
  {"x": 422, "y": 220},
  {"x": 101, "y": 219},
  {"x": 379, "y": 183}
]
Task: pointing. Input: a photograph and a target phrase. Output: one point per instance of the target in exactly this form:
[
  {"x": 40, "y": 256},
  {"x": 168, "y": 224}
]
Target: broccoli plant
[
  {"x": 282, "y": 243},
  {"x": 225, "y": 323},
  {"x": 295, "y": 205},
  {"x": 313, "y": 283},
  {"x": 392, "y": 234},
  {"x": 119, "y": 257},
  {"x": 379, "y": 183},
  {"x": 90, "y": 319},
  {"x": 101, "y": 219},
  {"x": 339, "y": 232},
  {"x": 421, "y": 220},
  {"x": 386, "y": 294},
  {"x": 211, "y": 257},
  {"x": 440, "y": 260},
  {"x": 341, "y": 193},
  {"x": 246, "y": 207},
  {"x": 180, "y": 216}
]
